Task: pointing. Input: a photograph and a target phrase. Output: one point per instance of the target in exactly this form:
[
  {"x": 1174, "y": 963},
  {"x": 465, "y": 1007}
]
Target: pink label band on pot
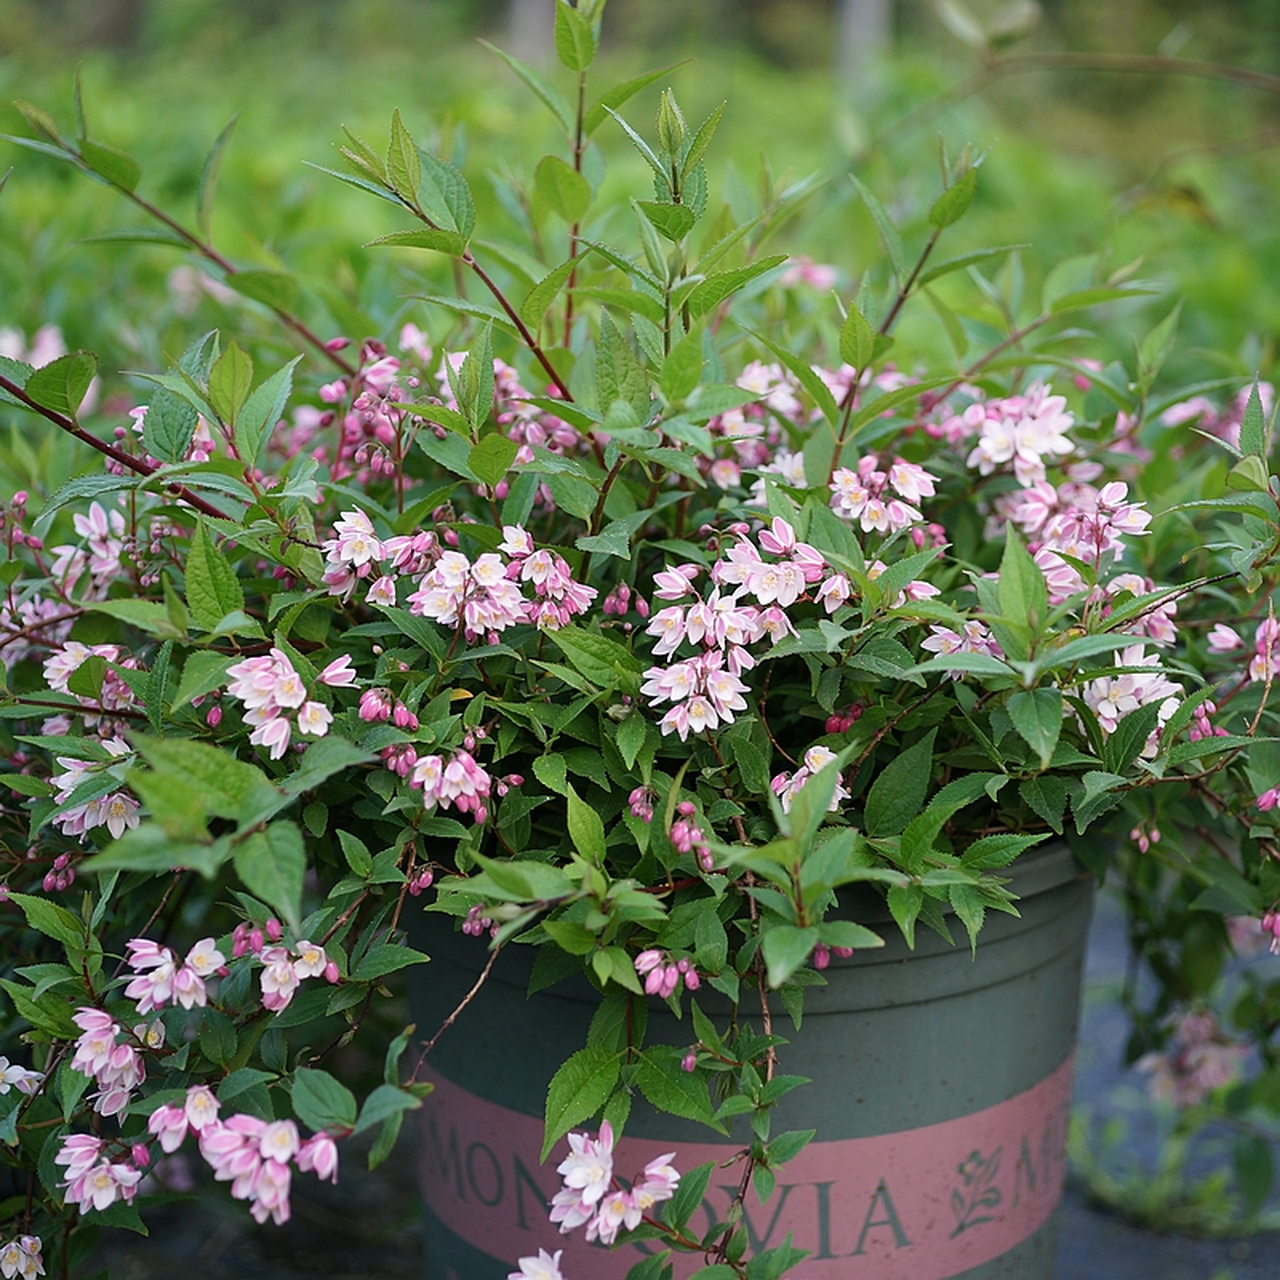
[{"x": 921, "y": 1204}]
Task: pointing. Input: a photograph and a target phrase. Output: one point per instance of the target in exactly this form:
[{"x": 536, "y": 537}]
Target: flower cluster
[
  {"x": 1199, "y": 1059},
  {"x": 785, "y": 785},
  {"x": 283, "y": 968},
  {"x": 592, "y": 1197},
  {"x": 160, "y": 979},
  {"x": 271, "y": 689},
  {"x": 21, "y": 1258},
  {"x": 115, "y": 1063},
  {"x": 255, "y": 1155},
  {"x": 94, "y": 1180}
]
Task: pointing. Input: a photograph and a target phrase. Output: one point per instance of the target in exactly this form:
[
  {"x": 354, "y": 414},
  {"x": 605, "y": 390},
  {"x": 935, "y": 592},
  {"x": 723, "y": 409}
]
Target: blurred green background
[{"x": 1178, "y": 171}]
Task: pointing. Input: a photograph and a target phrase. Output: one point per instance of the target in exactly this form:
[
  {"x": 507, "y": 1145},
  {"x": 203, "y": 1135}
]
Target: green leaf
[
  {"x": 682, "y": 368},
  {"x": 229, "y": 382},
  {"x": 202, "y": 672},
  {"x": 550, "y": 96},
  {"x": 404, "y": 168},
  {"x": 216, "y": 775},
  {"x": 1047, "y": 798},
  {"x": 674, "y": 221},
  {"x": 671, "y": 1089},
  {"x": 1253, "y": 430},
  {"x": 857, "y": 339},
  {"x": 491, "y": 459},
  {"x": 884, "y": 224},
  {"x": 275, "y": 289},
  {"x": 451, "y": 242},
  {"x": 952, "y": 204},
  {"x": 612, "y": 99},
  {"x": 543, "y": 294},
  {"x": 814, "y": 385},
  {"x": 61, "y": 384},
  {"x": 322, "y": 760},
  {"x": 723, "y": 284},
  {"x": 384, "y": 1102},
  {"x": 43, "y": 123},
  {"x": 445, "y": 195},
  {"x": 1021, "y": 587},
  {"x": 213, "y": 590},
  {"x": 898, "y": 794},
  {"x": 961, "y": 261},
  {"x": 168, "y": 427},
  {"x": 1254, "y": 1165},
  {"x": 564, "y": 189},
  {"x": 271, "y": 865},
  {"x": 261, "y": 411},
  {"x": 586, "y": 829},
  {"x": 1037, "y": 716},
  {"x": 577, "y": 1091},
  {"x": 387, "y": 957},
  {"x": 575, "y": 38},
  {"x": 117, "y": 168},
  {"x": 321, "y": 1102},
  {"x": 209, "y": 179},
  {"x": 786, "y": 948},
  {"x": 50, "y": 919}
]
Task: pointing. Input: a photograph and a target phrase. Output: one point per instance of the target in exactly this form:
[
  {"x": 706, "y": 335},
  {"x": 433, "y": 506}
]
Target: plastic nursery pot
[{"x": 941, "y": 1086}]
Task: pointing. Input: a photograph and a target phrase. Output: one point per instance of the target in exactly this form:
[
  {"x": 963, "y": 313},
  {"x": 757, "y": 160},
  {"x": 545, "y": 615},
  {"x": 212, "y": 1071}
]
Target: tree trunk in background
[
  {"x": 863, "y": 29},
  {"x": 530, "y": 28}
]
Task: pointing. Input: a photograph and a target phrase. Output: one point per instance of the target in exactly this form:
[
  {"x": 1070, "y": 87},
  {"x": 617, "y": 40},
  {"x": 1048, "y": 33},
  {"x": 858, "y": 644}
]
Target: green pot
[{"x": 941, "y": 1087}]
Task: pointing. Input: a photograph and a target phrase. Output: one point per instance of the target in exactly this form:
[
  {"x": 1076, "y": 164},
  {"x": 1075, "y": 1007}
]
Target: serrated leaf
[
  {"x": 586, "y": 829},
  {"x": 491, "y": 459},
  {"x": 722, "y": 285},
  {"x": 387, "y": 957},
  {"x": 543, "y": 294},
  {"x": 674, "y": 221},
  {"x": 857, "y": 339},
  {"x": 442, "y": 241},
  {"x": 230, "y": 380},
  {"x": 271, "y": 864},
  {"x": 577, "y": 1091},
  {"x": 613, "y": 98},
  {"x": 952, "y": 204},
  {"x": 213, "y": 590},
  {"x": 60, "y": 385},
  {"x": 1037, "y": 716},
  {"x": 168, "y": 427},
  {"x": 898, "y": 794},
  {"x": 785, "y": 948},
  {"x": 1253, "y": 430},
  {"x": 261, "y": 411},
  {"x": 404, "y": 168}
]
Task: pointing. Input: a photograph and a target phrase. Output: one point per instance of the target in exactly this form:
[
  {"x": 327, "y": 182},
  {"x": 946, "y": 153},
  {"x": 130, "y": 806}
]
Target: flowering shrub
[{"x": 632, "y": 615}]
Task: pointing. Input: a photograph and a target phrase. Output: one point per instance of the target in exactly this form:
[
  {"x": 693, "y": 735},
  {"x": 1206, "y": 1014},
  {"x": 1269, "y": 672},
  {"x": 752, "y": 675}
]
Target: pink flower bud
[
  {"x": 275, "y": 931},
  {"x": 331, "y": 974},
  {"x": 140, "y": 1154},
  {"x": 50, "y": 882},
  {"x": 213, "y": 718},
  {"x": 36, "y": 544},
  {"x": 337, "y": 344},
  {"x": 689, "y": 1062}
]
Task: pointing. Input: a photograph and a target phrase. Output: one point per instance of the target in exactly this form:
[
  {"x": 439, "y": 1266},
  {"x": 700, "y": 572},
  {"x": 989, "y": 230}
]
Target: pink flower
[{"x": 545, "y": 1266}]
